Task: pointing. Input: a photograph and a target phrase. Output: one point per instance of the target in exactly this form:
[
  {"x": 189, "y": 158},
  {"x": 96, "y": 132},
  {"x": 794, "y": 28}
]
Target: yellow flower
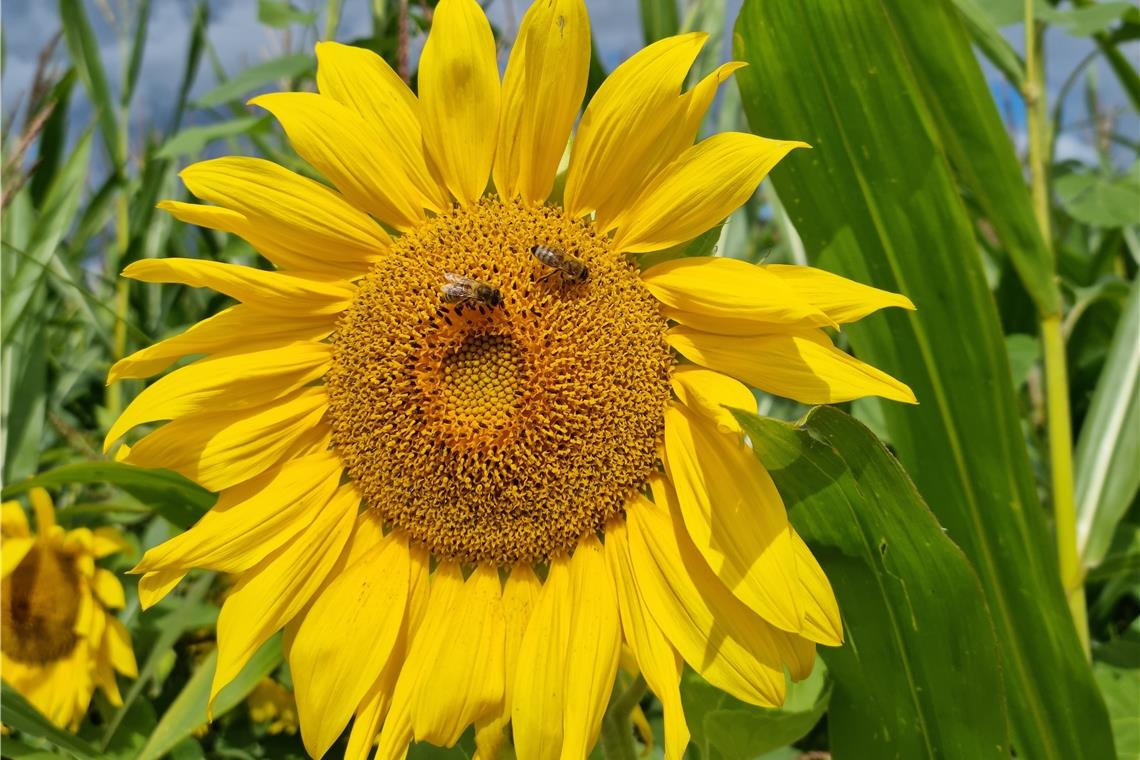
[
  {"x": 434, "y": 450},
  {"x": 58, "y": 640},
  {"x": 273, "y": 704}
]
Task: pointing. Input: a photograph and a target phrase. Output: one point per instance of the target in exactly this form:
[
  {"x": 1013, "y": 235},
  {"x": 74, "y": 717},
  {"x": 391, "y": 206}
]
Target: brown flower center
[
  {"x": 499, "y": 429},
  {"x": 39, "y": 607}
]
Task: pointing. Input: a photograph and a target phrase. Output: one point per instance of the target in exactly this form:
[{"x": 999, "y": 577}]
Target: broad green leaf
[
  {"x": 1024, "y": 352},
  {"x": 1101, "y": 200},
  {"x": 876, "y": 200},
  {"x": 990, "y": 41},
  {"x": 20, "y": 715},
  {"x": 179, "y": 500},
  {"x": 188, "y": 710},
  {"x": 967, "y": 124},
  {"x": 918, "y": 674},
  {"x": 724, "y": 728},
  {"x": 1121, "y": 689},
  {"x": 239, "y": 87},
  {"x": 85, "y": 56},
  {"x": 1083, "y": 22},
  {"x": 659, "y": 19},
  {"x": 1107, "y": 476},
  {"x": 192, "y": 140}
]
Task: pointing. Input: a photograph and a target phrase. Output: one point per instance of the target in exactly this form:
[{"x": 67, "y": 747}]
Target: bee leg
[{"x": 547, "y": 276}]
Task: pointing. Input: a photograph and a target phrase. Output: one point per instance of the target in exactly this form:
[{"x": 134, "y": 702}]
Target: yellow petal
[
  {"x": 223, "y": 449},
  {"x": 571, "y": 650},
  {"x": 12, "y": 553},
  {"x": 821, "y": 610},
  {"x": 802, "y": 365},
  {"x": 274, "y": 292},
  {"x": 272, "y": 593},
  {"x": 459, "y": 94},
  {"x": 734, "y": 515},
  {"x": 119, "y": 648},
  {"x": 841, "y": 299},
  {"x": 728, "y": 644},
  {"x": 364, "y": 82},
  {"x": 454, "y": 671},
  {"x": 107, "y": 541},
  {"x": 236, "y": 327},
  {"x": 104, "y": 674},
  {"x": 253, "y": 520},
  {"x": 13, "y": 521},
  {"x": 232, "y": 382},
  {"x": 371, "y": 713},
  {"x": 657, "y": 661},
  {"x": 153, "y": 587},
  {"x": 108, "y": 589},
  {"x": 730, "y": 295},
  {"x": 348, "y": 150},
  {"x": 624, "y": 129},
  {"x": 712, "y": 394},
  {"x": 345, "y": 640},
  {"x": 700, "y": 188},
  {"x": 542, "y": 92},
  {"x": 44, "y": 510}
]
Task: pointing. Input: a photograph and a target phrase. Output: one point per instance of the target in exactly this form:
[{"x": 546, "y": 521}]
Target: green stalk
[
  {"x": 1053, "y": 344},
  {"x": 617, "y": 728}
]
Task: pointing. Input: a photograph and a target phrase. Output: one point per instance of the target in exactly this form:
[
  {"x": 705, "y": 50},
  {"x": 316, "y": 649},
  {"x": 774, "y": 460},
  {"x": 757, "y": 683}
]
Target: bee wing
[{"x": 458, "y": 279}]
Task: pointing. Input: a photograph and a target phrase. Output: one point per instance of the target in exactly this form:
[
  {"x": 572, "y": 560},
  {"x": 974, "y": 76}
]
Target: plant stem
[
  {"x": 617, "y": 729},
  {"x": 1053, "y": 344}
]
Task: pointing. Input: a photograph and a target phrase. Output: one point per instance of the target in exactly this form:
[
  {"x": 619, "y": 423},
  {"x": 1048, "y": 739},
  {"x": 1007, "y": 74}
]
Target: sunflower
[
  {"x": 58, "y": 640},
  {"x": 467, "y": 451}
]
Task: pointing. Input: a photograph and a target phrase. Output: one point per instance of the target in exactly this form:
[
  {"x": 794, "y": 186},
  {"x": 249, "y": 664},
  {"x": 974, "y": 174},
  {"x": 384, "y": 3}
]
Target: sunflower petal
[
  {"x": 273, "y": 592},
  {"x": 108, "y": 589},
  {"x": 623, "y": 129},
  {"x": 656, "y": 658},
  {"x": 730, "y": 295},
  {"x": 697, "y": 190},
  {"x": 712, "y": 394},
  {"x": 44, "y": 510},
  {"x": 119, "y": 647},
  {"x": 841, "y": 299},
  {"x": 346, "y": 149},
  {"x": 154, "y": 586},
  {"x": 13, "y": 552},
  {"x": 802, "y": 365},
  {"x": 573, "y": 641},
  {"x": 236, "y": 328},
  {"x": 542, "y": 92},
  {"x": 253, "y": 520},
  {"x": 346, "y": 638},
  {"x": 728, "y": 644},
  {"x": 364, "y": 82},
  {"x": 240, "y": 381},
  {"x": 223, "y": 449},
  {"x": 13, "y": 520},
  {"x": 459, "y": 93},
  {"x": 284, "y": 294},
  {"x": 734, "y": 515},
  {"x": 821, "y": 610}
]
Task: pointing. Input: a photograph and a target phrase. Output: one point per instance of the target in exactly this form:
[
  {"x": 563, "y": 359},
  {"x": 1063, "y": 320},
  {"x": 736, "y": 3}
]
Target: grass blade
[{"x": 85, "y": 51}]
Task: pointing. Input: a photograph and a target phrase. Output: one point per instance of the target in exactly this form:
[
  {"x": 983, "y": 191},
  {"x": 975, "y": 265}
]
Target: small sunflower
[
  {"x": 466, "y": 449},
  {"x": 58, "y": 640}
]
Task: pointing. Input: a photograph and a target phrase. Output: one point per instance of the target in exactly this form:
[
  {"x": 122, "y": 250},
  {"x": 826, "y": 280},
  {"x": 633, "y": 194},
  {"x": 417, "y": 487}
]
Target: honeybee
[
  {"x": 460, "y": 290},
  {"x": 571, "y": 269}
]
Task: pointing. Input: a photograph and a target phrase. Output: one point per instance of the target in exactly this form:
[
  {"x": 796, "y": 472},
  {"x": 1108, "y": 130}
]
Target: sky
[{"x": 240, "y": 41}]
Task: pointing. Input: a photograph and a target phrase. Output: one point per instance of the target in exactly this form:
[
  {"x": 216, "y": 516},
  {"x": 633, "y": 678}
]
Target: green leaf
[
  {"x": 1119, "y": 686},
  {"x": 1107, "y": 478},
  {"x": 280, "y": 14},
  {"x": 179, "y": 500},
  {"x": 20, "y": 715},
  {"x": 724, "y": 728},
  {"x": 237, "y": 88},
  {"x": 194, "y": 48},
  {"x": 951, "y": 85},
  {"x": 990, "y": 41},
  {"x": 192, "y": 140},
  {"x": 1024, "y": 352},
  {"x": 85, "y": 55},
  {"x": 918, "y": 674},
  {"x": 188, "y": 710},
  {"x": 876, "y": 201},
  {"x": 1099, "y": 199},
  {"x": 138, "y": 47},
  {"x": 659, "y": 19},
  {"x": 1084, "y": 22}
]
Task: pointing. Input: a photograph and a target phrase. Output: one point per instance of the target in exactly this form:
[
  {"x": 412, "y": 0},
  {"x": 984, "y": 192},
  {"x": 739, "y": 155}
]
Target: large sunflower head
[
  {"x": 466, "y": 449},
  {"x": 58, "y": 640}
]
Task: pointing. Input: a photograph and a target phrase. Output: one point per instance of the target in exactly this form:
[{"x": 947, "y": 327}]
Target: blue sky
[{"x": 240, "y": 41}]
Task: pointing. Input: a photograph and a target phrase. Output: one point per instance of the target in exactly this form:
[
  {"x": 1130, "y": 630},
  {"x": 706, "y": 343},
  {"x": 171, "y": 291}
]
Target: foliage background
[{"x": 984, "y": 608}]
